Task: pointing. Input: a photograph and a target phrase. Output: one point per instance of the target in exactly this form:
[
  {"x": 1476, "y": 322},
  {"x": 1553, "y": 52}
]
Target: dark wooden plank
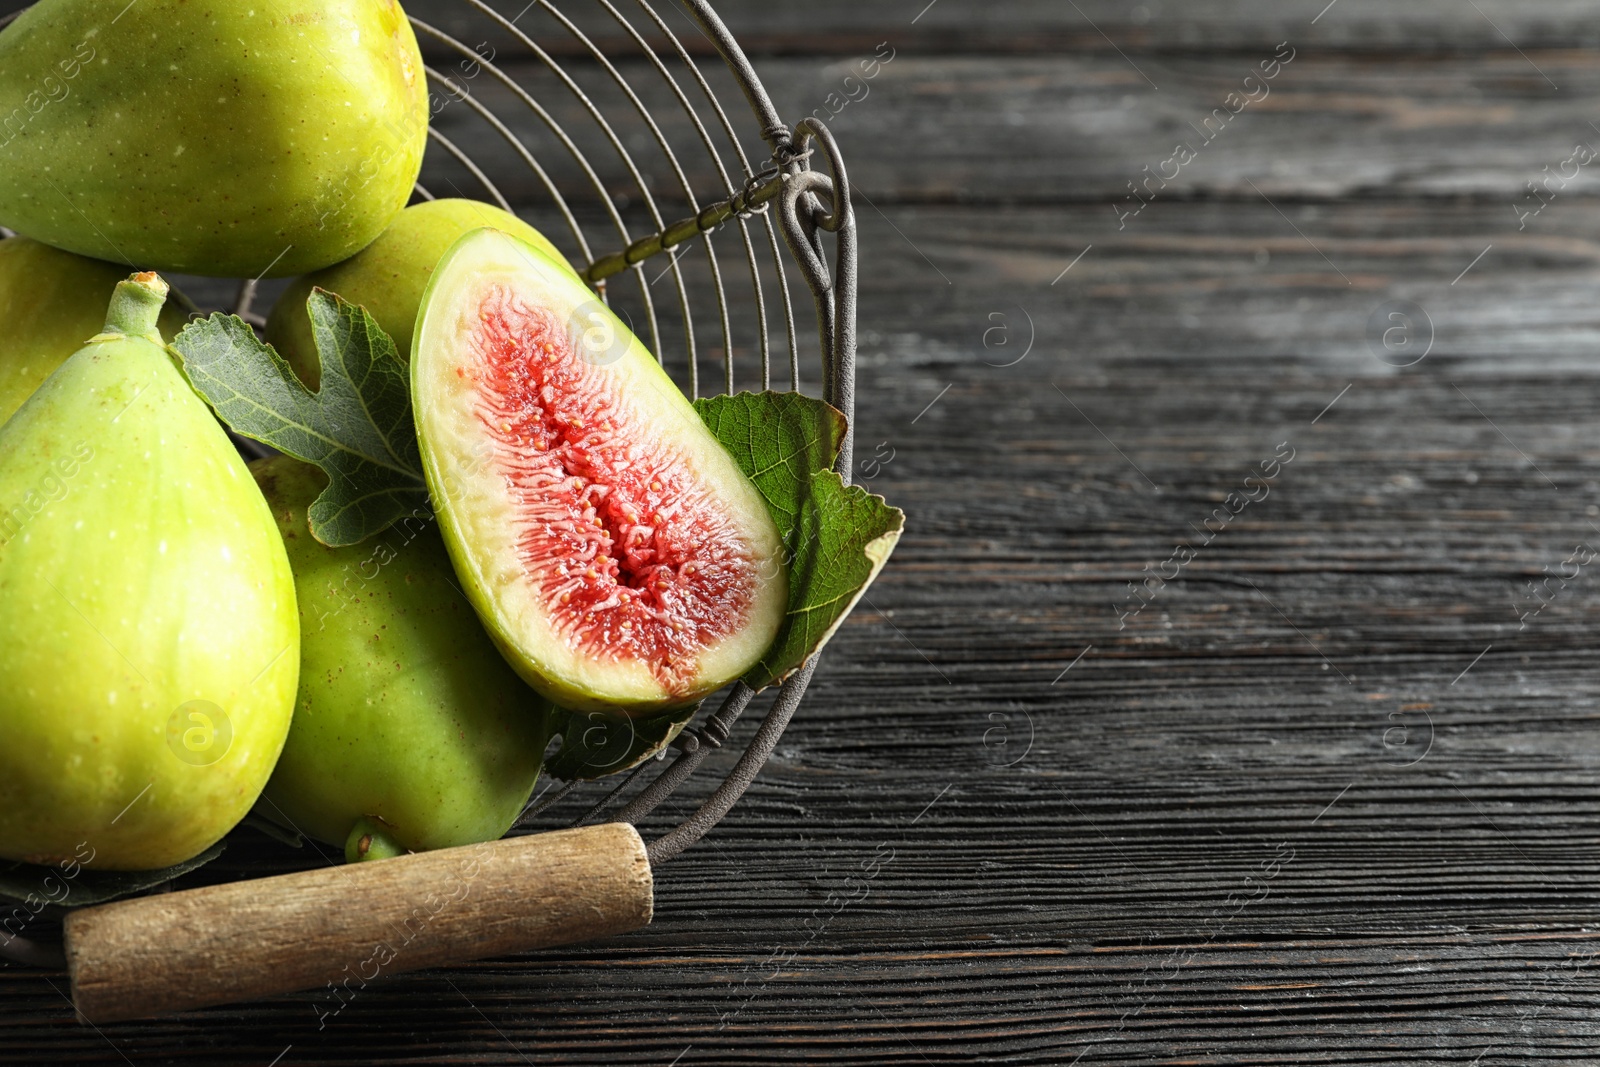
[
  {"x": 843, "y": 26},
  {"x": 1077, "y": 128}
]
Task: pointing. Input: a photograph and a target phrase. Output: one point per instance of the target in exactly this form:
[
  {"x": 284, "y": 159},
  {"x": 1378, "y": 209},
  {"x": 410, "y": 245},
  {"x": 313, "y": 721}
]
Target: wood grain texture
[
  {"x": 1074, "y": 128},
  {"x": 335, "y": 930},
  {"x": 1011, "y": 26}
]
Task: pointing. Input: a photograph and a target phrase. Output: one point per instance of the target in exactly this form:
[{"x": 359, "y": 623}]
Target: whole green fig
[
  {"x": 389, "y": 275},
  {"x": 410, "y": 731},
  {"x": 223, "y": 137},
  {"x": 149, "y": 644},
  {"x": 51, "y": 302}
]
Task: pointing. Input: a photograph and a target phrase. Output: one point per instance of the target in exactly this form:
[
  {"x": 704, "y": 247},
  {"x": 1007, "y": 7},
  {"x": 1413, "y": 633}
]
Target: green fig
[
  {"x": 388, "y": 276},
  {"x": 613, "y": 548},
  {"x": 229, "y": 137},
  {"x": 410, "y": 731},
  {"x": 149, "y": 643},
  {"x": 51, "y": 303}
]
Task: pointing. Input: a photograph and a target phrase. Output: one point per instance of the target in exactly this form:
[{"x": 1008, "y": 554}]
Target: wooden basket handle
[{"x": 338, "y": 928}]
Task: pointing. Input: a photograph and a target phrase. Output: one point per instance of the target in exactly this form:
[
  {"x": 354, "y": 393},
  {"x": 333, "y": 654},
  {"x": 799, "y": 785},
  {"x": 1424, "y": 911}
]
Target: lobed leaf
[
  {"x": 779, "y": 441},
  {"x": 836, "y": 537},
  {"x": 358, "y": 427},
  {"x": 841, "y": 539}
]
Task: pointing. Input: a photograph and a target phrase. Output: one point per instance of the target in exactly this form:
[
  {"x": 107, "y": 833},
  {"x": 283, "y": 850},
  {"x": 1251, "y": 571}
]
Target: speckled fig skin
[
  {"x": 51, "y": 303},
  {"x": 409, "y": 729},
  {"x": 220, "y": 137},
  {"x": 389, "y": 275},
  {"x": 148, "y": 634}
]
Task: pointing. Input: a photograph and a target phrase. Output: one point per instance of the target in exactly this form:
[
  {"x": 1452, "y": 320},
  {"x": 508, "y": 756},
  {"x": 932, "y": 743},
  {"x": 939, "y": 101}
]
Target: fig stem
[
  {"x": 136, "y": 305},
  {"x": 368, "y": 840}
]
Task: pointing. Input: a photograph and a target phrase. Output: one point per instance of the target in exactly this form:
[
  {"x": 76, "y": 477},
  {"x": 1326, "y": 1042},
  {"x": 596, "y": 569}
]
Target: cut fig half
[{"x": 615, "y": 552}]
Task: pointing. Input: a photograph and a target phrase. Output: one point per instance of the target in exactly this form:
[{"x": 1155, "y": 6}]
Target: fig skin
[
  {"x": 217, "y": 137},
  {"x": 148, "y": 634},
  {"x": 408, "y": 725},
  {"x": 52, "y": 302},
  {"x": 388, "y": 277}
]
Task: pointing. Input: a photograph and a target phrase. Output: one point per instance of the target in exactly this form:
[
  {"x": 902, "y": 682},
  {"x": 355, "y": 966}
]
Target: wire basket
[
  {"x": 636, "y": 167},
  {"x": 613, "y": 136}
]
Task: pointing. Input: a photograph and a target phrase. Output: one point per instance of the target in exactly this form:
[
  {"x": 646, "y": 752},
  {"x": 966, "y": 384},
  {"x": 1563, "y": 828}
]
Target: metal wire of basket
[{"x": 808, "y": 203}]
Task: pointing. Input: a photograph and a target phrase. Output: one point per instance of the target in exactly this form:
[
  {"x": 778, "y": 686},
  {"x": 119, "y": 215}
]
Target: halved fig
[{"x": 613, "y": 549}]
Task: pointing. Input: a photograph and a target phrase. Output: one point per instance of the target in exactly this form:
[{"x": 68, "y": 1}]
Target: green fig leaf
[
  {"x": 779, "y": 439},
  {"x": 839, "y": 543},
  {"x": 836, "y": 537},
  {"x": 358, "y": 427},
  {"x": 595, "y": 743},
  {"x": 33, "y": 888}
]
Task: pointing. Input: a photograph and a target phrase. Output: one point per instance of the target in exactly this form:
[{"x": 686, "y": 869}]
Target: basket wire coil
[
  {"x": 800, "y": 192},
  {"x": 808, "y": 204}
]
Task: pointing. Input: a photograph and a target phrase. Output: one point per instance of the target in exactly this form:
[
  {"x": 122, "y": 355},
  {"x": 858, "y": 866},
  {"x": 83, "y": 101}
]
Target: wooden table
[{"x": 1325, "y": 791}]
